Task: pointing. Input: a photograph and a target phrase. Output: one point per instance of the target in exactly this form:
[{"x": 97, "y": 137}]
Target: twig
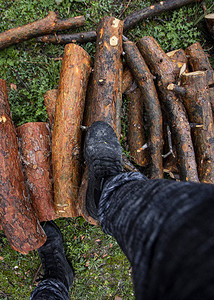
[
  {"x": 22, "y": 82},
  {"x": 125, "y": 9},
  {"x": 34, "y": 277},
  {"x": 170, "y": 144}
]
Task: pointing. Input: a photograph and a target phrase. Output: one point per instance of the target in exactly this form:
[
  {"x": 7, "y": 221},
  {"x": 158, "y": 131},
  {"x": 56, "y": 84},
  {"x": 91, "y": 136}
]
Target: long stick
[{"x": 44, "y": 26}]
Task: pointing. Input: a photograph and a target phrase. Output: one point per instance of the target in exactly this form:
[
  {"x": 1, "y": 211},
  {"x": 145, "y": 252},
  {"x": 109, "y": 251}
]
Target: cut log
[
  {"x": 66, "y": 140},
  {"x": 34, "y": 145},
  {"x": 81, "y": 37},
  {"x": 41, "y": 27},
  {"x": 50, "y": 104},
  {"x": 199, "y": 62},
  {"x": 199, "y": 111},
  {"x": 210, "y": 23},
  {"x": 145, "y": 82},
  {"x": 165, "y": 69},
  {"x": 106, "y": 90},
  {"x": 179, "y": 57},
  {"x": 154, "y": 10},
  {"x": 20, "y": 225}
]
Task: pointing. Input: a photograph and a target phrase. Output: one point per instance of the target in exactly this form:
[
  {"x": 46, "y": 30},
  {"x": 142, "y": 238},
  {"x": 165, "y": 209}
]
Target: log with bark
[
  {"x": 198, "y": 106},
  {"x": 135, "y": 129},
  {"x": 50, "y": 104},
  {"x": 66, "y": 139},
  {"x": 18, "y": 220},
  {"x": 47, "y": 25},
  {"x": 105, "y": 99},
  {"x": 166, "y": 71},
  {"x": 34, "y": 147},
  {"x": 199, "y": 62},
  {"x": 179, "y": 57},
  {"x": 145, "y": 82},
  {"x": 210, "y": 23},
  {"x": 129, "y": 22}
]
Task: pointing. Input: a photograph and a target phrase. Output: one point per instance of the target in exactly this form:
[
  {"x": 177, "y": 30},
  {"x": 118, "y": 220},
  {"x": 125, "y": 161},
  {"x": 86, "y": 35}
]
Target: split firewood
[
  {"x": 165, "y": 69},
  {"x": 50, "y": 104},
  {"x": 199, "y": 62},
  {"x": 44, "y": 26},
  {"x": 145, "y": 82},
  {"x": 66, "y": 140},
  {"x": 135, "y": 130},
  {"x": 129, "y": 22},
  {"x": 20, "y": 225},
  {"x": 210, "y": 23},
  {"x": 105, "y": 100},
  {"x": 199, "y": 111},
  {"x": 34, "y": 147}
]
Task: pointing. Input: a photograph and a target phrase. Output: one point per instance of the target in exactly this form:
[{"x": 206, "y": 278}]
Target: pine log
[
  {"x": 165, "y": 69},
  {"x": 34, "y": 145},
  {"x": 199, "y": 111},
  {"x": 199, "y": 62},
  {"x": 154, "y": 10},
  {"x": 20, "y": 225},
  {"x": 44, "y": 26},
  {"x": 104, "y": 102},
  {"x": 210, "y": 23},
  {"x": 81, "y": 37},
  {"x": 129, "y": 22},
  {"x": 145, "y": 82},
  {"x": 50, "y": 104},
  {"x": 66, "y": 139},
  {"x": 135, "y": 130}
]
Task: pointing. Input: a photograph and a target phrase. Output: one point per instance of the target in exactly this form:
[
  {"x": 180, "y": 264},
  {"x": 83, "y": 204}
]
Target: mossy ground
[{"x": 30, "y": 69}]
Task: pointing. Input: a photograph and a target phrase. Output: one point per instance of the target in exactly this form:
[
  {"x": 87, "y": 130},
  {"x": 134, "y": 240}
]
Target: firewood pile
[{"x": 170, "y": 126}]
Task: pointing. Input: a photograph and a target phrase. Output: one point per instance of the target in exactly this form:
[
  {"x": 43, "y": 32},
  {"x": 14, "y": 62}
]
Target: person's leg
[
  {"x": 58, "y": 274},
  {"x": 164, "y": 227}
]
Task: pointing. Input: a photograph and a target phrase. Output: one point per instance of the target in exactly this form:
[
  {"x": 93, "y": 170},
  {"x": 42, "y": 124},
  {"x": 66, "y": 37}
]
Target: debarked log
[
  {"x": 199, "y": 111},
  {"x": 20, "y": 225},
  {"x": 44, "y": 26},
  {"x": 66, "y": 139},
  {"x": 165, "y": 69},
  {"x": 34, "y": 145},
  {"x": 145, "y": 82}
]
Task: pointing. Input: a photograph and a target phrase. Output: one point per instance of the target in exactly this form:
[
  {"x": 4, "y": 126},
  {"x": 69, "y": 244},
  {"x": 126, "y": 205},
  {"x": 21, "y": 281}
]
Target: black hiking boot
[
  {"x": 103, "y": 155},
  {"x": 54, "y": 262}
]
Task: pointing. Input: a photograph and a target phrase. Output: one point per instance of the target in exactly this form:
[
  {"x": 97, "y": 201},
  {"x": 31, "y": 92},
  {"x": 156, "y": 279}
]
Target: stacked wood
[
  {"x": 18, "y": 220},
  {"x": 66, "y": 140},
  {"x": 41, "y": 27},
  {"x": 135, "y": 131},
  {"x": 145, "y": 82},
  {"x": 166, "y": 71},
  {"x": 34, "y": 145}
]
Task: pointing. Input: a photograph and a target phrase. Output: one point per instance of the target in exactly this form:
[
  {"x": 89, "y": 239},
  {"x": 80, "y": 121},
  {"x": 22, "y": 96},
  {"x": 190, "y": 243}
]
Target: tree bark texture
[
  {"x": 165, "y": 69},
  {"x": 199, "y": 62},
  {"x": 81, "y": 37},
  {"x": 199, "y": 111},
  {"x": 41, "y": 27},
  {"x": 66, "y": 139},
  {"x": 145, "y": 82},
  {"x": 20, "y": 225},
  {"x": 104, "y": 102},
  {"x": 210, "y": 23},
  {"x": 34, "y": 145},
  {"x": 50, "y": 104},
  {"x": 154, "y": 10},
  {"x": 135, "y": 130}
]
